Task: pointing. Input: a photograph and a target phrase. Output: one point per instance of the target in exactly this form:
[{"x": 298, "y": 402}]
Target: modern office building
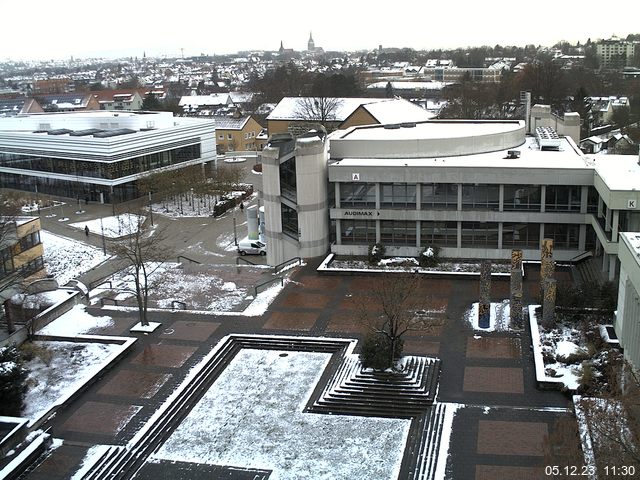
[
  {"x": 98, "y": 155},
  {"x": 628, "y": 315},
  {"x": 477, "y": 189}
]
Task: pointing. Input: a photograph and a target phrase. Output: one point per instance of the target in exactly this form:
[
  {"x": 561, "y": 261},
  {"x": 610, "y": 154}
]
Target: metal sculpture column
[
  {"x": 549, "y": 303},
  {"x": 515, "y": 301},
  {"x": 547, "y": 264},
  {"x": 484, "y": 307}
]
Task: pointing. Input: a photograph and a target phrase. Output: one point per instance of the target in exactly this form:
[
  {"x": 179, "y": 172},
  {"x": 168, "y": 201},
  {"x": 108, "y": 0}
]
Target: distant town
[{"x": 302, "y": 264}]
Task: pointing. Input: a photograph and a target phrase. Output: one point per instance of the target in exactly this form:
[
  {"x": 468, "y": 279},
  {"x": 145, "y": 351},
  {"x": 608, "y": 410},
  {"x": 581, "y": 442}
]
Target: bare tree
[
  {"x": 394, "y": 307},
  {"x": 143, "y": 252},
  {"x": 322, "y": 110},
  {"x": 608, "y": 435}
]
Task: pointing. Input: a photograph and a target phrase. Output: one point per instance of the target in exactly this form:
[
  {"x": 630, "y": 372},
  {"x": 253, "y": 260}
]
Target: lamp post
[
  {"x": 150, "y": 209},
  {"x": 104, "y": 245}
]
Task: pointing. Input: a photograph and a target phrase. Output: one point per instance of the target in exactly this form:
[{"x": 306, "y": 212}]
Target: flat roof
[
  {"x": 567, "y": 157},
  {"x": 429, "y": 130},
  {"x": 619, "y": 172}
]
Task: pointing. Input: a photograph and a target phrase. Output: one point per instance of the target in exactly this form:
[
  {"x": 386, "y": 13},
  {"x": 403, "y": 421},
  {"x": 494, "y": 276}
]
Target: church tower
[{"x": 311, "y": 46}]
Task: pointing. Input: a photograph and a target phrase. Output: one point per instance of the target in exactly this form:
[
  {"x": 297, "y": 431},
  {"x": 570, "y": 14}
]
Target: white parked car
[{"x": 251, "y": 247}]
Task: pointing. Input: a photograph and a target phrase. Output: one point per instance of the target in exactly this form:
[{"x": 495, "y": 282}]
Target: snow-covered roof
[
  {"x": 619, "y": 172},
  {"x": 205, "y": 100},
  {"x": 397, "y": 111},
  {"x": 289, "y": 108},
  {"x": 410, "y": 85},
  {"x": 230, "y": 123}
]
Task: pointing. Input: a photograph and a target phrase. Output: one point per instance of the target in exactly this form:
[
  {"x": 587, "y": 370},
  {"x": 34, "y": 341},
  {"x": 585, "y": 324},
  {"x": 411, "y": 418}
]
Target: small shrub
[
  {"x": 376, "y": 351},
  {"x": 429, "y": 257},
  {"x": 376, "y": 253}
]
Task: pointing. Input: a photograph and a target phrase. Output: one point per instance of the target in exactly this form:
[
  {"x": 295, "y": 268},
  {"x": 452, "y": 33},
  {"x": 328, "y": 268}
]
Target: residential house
[
  {"x": 293, "y": 114},
  {"x": 68, "y": 102},
  {"x": 17, "y": 106},
  {"x": 206, "y": 105},
  {"x": 237, "y": 133},
  {"x": 130, "y": 99}
]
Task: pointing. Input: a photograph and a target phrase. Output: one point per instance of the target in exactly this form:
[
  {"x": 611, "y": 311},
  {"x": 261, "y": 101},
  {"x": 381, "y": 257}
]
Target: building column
[
  {"x": 501, "y": 198},
  {"x": 543, "y": 201},
  {"x": 418, "y": 196},
  {"x": 582, "y": 238},
  {"x": 499, "y": 235},
  {"x": 612, "y": 267},
  {"x": 378, "y": 198},
  {"x": 378, "y": 236},
  {"x": 459, "y": 239},
  {"x": 337, "y": 194},
  {"x": 607, "y": 221},
  {"x": 459, "y": 202},
  {"x": 418, "y": 229},
  {"x": 600, "y": 206},
  {"x": 584, "y": 196},
  {"x": 338, "y": 231},
  {"x": 614, "y": 225}
]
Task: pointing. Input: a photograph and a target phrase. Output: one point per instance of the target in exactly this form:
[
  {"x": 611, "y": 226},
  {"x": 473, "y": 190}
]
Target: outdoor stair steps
[
  {"x": 590, "y": 270},
  {"x": 127, "y": 460},
  {"x": 124, "y": 462},
  {"x": 354, "y": 390},
  {"x": 427, "y": 449}
]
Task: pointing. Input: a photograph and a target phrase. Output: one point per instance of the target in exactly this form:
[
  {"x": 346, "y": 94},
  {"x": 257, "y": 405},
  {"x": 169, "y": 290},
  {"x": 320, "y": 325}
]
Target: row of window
[
  {"x": 108, "y": 170},
  {"x": 445, "y": 234},
  {"x": 247, "y": 136},
  {"x": 564, "y": 198}
]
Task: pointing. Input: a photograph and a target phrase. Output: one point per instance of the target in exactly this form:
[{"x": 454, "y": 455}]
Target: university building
[
  {"x": 476, "y": 189},
  {"x": 98, "y": 155}
]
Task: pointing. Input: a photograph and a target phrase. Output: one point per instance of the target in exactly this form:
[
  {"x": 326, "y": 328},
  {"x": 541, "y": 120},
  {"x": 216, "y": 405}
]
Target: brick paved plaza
[{"x": 479, "y": 370}]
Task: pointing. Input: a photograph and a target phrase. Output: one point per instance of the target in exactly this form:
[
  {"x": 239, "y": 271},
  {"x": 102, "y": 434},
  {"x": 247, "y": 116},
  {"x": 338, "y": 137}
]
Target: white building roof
[
  {"x": 397, "y": 111},
  {"x": 289, "y": 108},
  {"x": 619, "y": 172}
]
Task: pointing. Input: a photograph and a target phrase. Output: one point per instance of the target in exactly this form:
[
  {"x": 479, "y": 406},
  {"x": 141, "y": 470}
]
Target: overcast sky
[{"x": 46, "y": 29}]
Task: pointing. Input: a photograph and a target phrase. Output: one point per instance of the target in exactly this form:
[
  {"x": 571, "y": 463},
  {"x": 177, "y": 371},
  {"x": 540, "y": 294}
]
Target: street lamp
[{"x": 150, "y": 208}]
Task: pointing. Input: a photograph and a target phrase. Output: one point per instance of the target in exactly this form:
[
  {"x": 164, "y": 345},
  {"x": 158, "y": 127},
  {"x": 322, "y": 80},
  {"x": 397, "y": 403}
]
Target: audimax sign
[{"x": 361, "y": 213}]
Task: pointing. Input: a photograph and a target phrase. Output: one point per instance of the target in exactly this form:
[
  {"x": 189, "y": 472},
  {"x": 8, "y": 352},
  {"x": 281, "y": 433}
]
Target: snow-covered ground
[
  {"x": 75, "y": 322},
  {"x": 500, "y": 317},
  {"x": 67, "y": 259},
  {"x": 268, "y": 429},
  {"x": 57, "y": 371},
  {"x": 200, "y": 291},
  {"x": 114, "y": 226}
]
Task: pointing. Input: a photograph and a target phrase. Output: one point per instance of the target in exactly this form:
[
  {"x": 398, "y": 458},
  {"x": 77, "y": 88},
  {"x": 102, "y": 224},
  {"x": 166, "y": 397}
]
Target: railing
[
  {"x": 106, "y": 299},
  {"x": 179, "y": 303},
  {"x": 188, "y": 259},
  {"x": 286, "y": 263},
  {"x": 242, "y": 259},
  {"x": 256, "y": 288},
  {"x": 582, "y": 256},
  {"x": 97, "y": 283}
]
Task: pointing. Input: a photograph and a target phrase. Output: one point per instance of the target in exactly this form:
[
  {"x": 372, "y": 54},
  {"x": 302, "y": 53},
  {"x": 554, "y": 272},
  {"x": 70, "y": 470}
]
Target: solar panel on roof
[
  {"x": 84, "y": 133},
  {"x": 113, "y": 133}
]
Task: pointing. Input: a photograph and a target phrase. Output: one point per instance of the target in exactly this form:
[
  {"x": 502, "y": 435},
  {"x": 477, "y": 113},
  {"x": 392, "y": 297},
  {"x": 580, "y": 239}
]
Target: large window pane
[
  {"x": 439, "y": 195},
  {"x": 359, "y": 195},
  {"x": 361, "y": 232},
  {"x": 565, "y": 237},
  {"x": 395, "y": 232},
  {"x": 439, "y": 234},
  {"x": 289, "y": 220},
  {"x": 480, "y": 197},
  {"x": 521, "y": 235},
  {"x": 522, "y": 197},
  {"x": 480, "y": 234},
  {"x": 562, "y": 198},
  {"x": 398, "y": 195}
]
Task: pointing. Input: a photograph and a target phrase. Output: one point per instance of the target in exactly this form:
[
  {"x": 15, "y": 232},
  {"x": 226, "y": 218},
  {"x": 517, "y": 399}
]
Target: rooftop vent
[
  {"x": 113, "y": 133},
  {"x": 511, "y": 154},
  {"x": 408, "y": 125},
  {"x": 547, "y": 138},
  {"x": 59, "y": 131},
  {"x": 392, "y": 126}
]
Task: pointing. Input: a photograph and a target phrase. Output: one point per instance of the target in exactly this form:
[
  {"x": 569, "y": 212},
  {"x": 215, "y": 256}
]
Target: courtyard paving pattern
[{"x": 497, "y": 433}]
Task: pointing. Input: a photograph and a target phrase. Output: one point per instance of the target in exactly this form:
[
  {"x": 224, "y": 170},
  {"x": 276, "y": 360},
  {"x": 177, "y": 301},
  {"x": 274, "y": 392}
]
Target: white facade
[
  {"x": 98, "y": 155},
  {"x": 628, "y": 315},
  {"x": 476, "y": 189}
]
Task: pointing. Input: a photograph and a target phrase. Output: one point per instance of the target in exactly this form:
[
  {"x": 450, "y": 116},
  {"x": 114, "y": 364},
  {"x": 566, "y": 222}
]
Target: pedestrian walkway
[{"x": 498, "y": 434}]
